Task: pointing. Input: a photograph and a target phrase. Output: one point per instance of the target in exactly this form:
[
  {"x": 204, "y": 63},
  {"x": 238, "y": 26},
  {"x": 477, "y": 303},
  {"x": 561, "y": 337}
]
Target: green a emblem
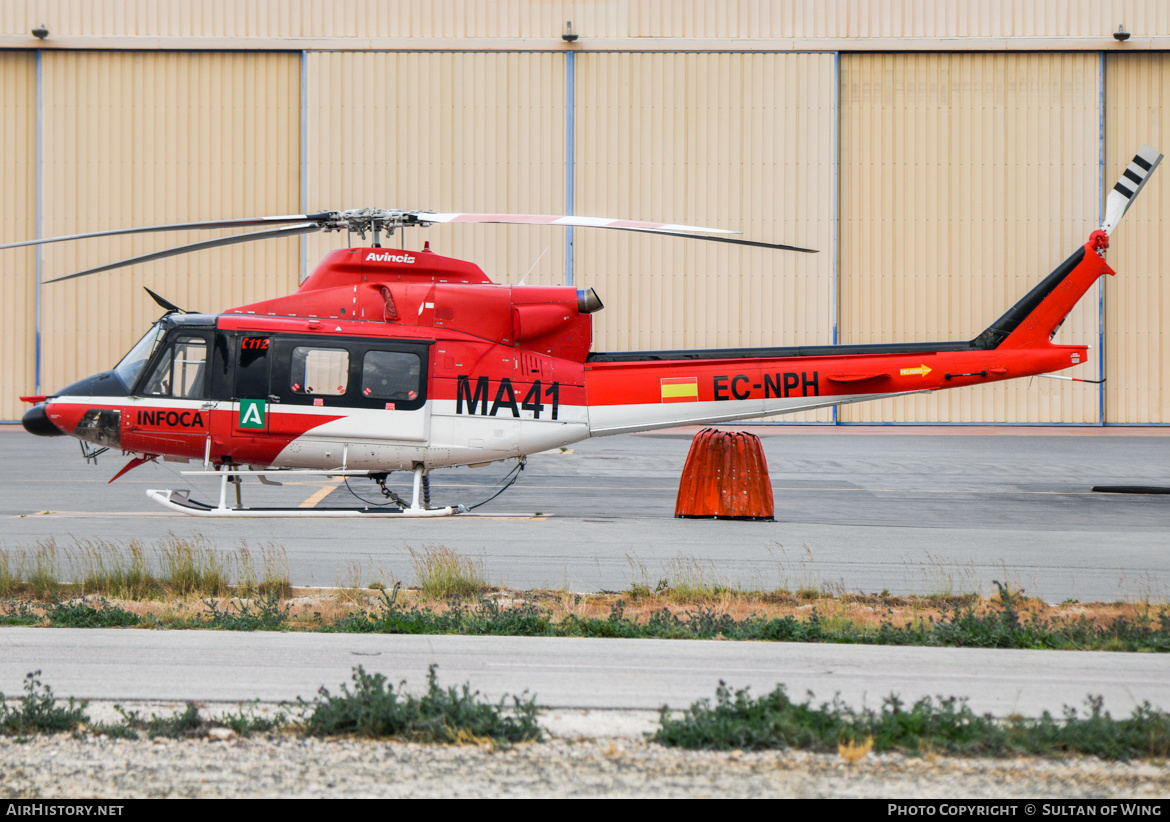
[{"x": 252, "y": 413}]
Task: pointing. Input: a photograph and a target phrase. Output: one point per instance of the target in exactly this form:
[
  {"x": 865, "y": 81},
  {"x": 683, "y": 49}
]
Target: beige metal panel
[
  {"x": 476, "y": 132},
  {"x": 17, "y": 222},
  {"x": 721, "y": 140},
  {"x": 965, "y": 179},
  {"x": 151, "y": 138},
  {"x": 298, "y": 18},
  {"x": 1137, "y": 300},
  {"x": 890, "y": 19},
  {"x": 362, "y": 20}
]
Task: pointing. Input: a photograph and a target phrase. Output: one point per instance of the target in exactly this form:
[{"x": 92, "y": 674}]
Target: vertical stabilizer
[{"x": 1034, "y": 319}]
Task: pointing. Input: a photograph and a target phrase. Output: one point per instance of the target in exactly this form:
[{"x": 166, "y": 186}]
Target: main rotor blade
[
  {"x": 552, "y": 219},
  {"x": 732, "y": 240},
  {"x": 211, "y": 224},
  {"x": 271, "y": 234},
  {"x": 672, "y": 229}
]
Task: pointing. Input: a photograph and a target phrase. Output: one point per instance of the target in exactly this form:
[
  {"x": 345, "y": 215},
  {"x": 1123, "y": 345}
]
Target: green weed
[
  {"x": 38, "y": 711},
  {"x": 68, "y": 615},
  {"x": 445, "y": 715},
  {"x": 190, "y": 723},
  {"x": 948, "y": 725},
  {"x": 266, "y": 614}
]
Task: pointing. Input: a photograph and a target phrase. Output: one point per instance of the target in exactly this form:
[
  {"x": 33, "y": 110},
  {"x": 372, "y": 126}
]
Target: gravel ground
[{"x": 566, "y": 765}]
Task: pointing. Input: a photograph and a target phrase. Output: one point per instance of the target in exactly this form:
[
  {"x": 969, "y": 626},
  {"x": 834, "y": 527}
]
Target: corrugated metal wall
[
  {"x": 720, "y": 140},
  {"x": 1137, "y": 301},
  {"x": 962, "y": 177},
  {"x": 133, "y": 139},
  {"x": 965, "y": 179},
  {"x": 479, "y": 132},
  {"x": 741, "y": 19},
  {"x": 18, "y": 209}
]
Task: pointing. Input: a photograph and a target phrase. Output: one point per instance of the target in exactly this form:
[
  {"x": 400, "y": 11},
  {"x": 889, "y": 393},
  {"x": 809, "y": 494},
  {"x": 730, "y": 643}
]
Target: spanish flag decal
[{"x": 680, "y": 389}]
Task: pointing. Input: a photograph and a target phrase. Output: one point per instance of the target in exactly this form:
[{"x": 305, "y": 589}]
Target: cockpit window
[
  {"x": 180, "y": 371},
  {"x": 130, "y": 368}
]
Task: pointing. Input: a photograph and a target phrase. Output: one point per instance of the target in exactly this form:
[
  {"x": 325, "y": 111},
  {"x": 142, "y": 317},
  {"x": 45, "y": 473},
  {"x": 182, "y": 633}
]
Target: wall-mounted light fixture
[
  {"x": 40, "y": 32},
  {"x": 1121, "y": 35},
  {"x": 569, "y": 36}
]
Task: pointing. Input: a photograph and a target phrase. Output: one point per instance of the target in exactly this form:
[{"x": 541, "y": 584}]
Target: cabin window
[
  {"x": 390, "y": 375},
  {"x": 180, "y": 371},
  {"x": 319, "y": 371}
]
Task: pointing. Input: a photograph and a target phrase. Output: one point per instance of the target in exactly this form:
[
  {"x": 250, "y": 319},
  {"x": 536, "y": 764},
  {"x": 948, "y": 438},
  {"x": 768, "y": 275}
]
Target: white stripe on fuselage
[{"x": 605, "y": 420}]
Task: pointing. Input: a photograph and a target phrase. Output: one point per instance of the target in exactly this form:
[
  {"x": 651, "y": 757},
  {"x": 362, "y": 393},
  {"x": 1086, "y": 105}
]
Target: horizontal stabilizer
[{"x": 1131, "y": 182}]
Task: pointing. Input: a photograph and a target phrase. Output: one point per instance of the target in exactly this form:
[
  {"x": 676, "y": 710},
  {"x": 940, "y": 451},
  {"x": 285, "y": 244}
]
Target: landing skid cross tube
[{"x": 180, "y": 500}]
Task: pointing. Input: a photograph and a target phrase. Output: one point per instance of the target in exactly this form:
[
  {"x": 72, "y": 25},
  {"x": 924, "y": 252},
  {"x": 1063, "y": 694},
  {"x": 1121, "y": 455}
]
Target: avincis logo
[{"x": 389, "y": 258}]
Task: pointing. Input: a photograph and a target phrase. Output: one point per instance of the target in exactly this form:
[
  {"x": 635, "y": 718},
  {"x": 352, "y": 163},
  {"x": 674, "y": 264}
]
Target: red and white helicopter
[{"x": 387, "y": 360}]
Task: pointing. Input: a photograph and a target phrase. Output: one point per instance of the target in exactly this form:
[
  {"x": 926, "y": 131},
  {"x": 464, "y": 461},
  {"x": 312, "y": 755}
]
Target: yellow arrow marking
[{"x": 922, "y": 369}]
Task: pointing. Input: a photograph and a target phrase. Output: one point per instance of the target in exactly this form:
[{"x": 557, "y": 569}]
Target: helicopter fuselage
[{"x": 390, "y": 360}]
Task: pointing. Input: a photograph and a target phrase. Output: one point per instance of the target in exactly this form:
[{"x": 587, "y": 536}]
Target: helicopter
[{"x": 388, "y": 360}]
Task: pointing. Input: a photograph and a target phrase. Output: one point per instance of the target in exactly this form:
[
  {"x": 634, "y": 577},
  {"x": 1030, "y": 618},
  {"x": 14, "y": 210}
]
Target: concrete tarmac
[
  {"x": 638, "y": 675},
  {"x": 907, "y": 510}
]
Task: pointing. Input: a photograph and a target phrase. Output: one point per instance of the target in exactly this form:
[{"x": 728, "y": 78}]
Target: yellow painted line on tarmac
[{"x": 319, "y": 495}]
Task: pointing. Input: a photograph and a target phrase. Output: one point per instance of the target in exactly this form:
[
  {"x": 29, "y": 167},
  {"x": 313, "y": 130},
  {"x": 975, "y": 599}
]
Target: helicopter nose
[{"x": 36, "y": 421}]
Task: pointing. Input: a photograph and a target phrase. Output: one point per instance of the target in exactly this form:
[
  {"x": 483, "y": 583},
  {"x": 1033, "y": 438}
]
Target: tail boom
[
  {"x": 625, "y": 397},
  {"x": 641, "y": 391}
]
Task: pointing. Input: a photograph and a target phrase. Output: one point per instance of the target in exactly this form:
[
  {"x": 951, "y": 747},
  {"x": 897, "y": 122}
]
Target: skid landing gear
[{"x": 419, "y": 506}]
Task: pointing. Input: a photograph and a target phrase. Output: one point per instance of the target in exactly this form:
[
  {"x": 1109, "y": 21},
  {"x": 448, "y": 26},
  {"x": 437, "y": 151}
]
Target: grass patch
[
  {"x": 191, "y": 566},
  {"x": 42, "y": 578},
  {"x": 444, "y": 574},
  {"x": 8, "y": 579},
  {"x": 945, "y": 725},
  {"x": 693, "y": 581},
  {"x": 959, "y": 622},
  {"x": 108, "y": 570},
  {"x": 173, "y": 567},
  {"x": 1007, "y": 621},
  {"x": 375, "y": 710}
]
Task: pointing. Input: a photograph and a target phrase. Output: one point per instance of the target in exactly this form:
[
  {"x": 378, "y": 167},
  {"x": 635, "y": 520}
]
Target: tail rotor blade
[{"x": 1129, "y": 185}]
